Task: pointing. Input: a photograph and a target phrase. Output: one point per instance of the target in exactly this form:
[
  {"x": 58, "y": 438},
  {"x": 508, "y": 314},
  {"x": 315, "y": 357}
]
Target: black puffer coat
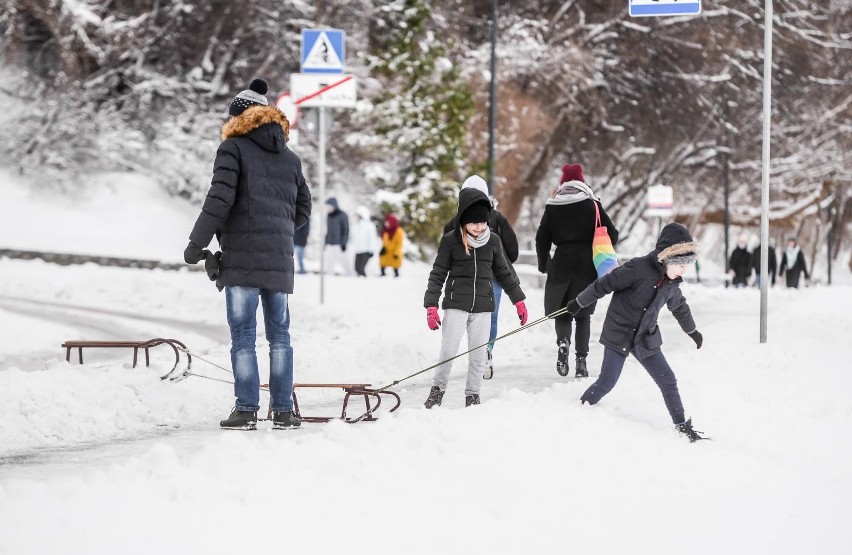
[
  {"x": 641, "y": 289},
  {"x": 740, "y": 263},
  {"x": 466, "y": 278},
  {"x": 257, "y": 199},
  {"x": 571, "y": 227},
  {"x": 337, "y": 232}
]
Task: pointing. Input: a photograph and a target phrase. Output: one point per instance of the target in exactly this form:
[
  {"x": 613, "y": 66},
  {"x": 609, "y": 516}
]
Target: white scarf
[
  {"x": 476, "y": 242},
  {"x": 571, "y": 192},
  {"x": 792, "y": 255}
]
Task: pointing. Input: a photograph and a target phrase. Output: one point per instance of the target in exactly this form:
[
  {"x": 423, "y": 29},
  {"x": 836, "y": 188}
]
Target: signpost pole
[
  {"x": 321, "y": 172},
  {"x": 322, "y": 85},
  {"x": 764, "y": 193}
]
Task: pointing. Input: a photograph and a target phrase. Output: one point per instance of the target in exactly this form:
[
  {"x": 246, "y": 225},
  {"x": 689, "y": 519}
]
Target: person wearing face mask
[
  {"x": 640, "y": 288},
  {"x": 469, "y": 258}
]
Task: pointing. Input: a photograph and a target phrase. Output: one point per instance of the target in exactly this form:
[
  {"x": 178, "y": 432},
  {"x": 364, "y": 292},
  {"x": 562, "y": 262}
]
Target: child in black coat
[
  {"x": 641, "y": 288},
  {"x": 468, "y": 259}
]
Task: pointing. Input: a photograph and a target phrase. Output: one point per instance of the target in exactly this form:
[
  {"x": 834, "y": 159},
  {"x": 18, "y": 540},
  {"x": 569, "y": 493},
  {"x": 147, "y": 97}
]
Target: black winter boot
[
  {"x": 686, "y": 429},
  {"x": 582, "y": 371},
  {"x": 435, "y": 397},
  {"x": 285, "y": 420},
  {"x": 472, "y": 399},
  {"x": 562, "y": 357},
  {"x": 240, "y": 420}
]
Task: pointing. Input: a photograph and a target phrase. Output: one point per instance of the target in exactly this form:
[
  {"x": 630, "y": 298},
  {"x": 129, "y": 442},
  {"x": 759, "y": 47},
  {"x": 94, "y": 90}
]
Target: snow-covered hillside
[{"x": 103, "y": 458}]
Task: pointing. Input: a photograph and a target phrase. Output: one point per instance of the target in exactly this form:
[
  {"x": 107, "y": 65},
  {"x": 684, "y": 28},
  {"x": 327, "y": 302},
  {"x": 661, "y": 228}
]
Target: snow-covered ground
[{"x": 104, "y": 458}]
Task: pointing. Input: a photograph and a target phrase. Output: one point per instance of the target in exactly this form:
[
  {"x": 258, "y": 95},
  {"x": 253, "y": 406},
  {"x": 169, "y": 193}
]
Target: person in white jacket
[{"x": 364, "y": 236}]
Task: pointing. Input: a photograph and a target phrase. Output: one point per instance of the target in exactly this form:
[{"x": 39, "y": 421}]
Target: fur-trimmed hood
[
  {"x": 251, "y": 123},
  {"x": 675, "y": 240}
]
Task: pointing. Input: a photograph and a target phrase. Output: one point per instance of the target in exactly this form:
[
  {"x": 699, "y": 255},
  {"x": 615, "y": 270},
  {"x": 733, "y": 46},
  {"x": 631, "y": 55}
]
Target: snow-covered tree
[{"x": 421, "y": 117}]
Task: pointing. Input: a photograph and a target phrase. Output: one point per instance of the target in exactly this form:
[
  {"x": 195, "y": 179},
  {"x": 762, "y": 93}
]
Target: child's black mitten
[{"x": 696, "y": 336}]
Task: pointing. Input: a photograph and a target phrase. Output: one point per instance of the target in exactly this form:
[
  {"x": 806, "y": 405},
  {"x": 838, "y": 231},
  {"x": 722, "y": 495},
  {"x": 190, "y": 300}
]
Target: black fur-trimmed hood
[{"x": 675, "y": 240}]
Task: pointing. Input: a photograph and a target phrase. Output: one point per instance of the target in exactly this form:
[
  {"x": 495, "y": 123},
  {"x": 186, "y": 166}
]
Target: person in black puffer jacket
[
  {"x": 499, "y": 225},
  {"x": 641, "y": 288},
  {"x": 468, "y": 259},
  {"x": 257, "y": 199},
  {"x": 569, "y": 222}
]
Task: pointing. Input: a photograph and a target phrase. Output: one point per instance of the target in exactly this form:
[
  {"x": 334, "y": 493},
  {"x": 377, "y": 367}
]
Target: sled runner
[
  {"x": 349, "y": 389},
  {"x": 176, "y": 346}
]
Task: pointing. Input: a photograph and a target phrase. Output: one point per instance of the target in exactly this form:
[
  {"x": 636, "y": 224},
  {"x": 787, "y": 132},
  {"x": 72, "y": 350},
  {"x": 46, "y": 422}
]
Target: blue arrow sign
[
  {"x": 323, "y": 51},
  {"x": 645, "y": 8}
]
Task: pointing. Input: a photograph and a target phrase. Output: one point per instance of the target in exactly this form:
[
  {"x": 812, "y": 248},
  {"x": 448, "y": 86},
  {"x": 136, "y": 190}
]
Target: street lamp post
[{"x": 492, "y": 97}]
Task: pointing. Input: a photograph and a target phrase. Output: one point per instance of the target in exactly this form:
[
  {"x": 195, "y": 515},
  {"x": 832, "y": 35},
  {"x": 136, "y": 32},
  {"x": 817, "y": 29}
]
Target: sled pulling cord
[
  {"x": 372, "y": 397},
  {"x": 550, "y": 316}
]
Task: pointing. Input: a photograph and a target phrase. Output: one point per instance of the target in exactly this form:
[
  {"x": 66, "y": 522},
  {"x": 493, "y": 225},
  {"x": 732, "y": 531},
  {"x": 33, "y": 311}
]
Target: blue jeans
[
  {"x": 656, "y": 365},
  {"x": 498, "y": 294},
  {"x": 300, "y": 257},
  {"x": 242, "y": 304}
]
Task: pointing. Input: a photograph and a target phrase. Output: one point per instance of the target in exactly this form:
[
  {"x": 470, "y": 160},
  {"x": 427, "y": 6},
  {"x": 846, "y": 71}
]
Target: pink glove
[
  {"x": 522, "y": 312},
  {"x": 432, "y": 318}
]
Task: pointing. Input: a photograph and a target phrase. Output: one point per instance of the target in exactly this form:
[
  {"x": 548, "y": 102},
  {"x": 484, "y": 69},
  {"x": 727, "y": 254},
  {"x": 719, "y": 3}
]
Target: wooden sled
[
  {"x": 176, "y": 346},
  {"x": 349, "y": 389}
]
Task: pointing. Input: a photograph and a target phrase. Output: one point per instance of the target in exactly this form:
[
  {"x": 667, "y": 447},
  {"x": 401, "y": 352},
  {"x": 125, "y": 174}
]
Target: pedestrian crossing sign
[
  {"x": 651, "y": 8},
  {"x": 323, "y": 51}
]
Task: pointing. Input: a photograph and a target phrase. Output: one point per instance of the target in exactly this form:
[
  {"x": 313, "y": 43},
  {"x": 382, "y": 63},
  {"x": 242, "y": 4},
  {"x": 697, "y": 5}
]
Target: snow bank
[{"x": 115, "y": 214}]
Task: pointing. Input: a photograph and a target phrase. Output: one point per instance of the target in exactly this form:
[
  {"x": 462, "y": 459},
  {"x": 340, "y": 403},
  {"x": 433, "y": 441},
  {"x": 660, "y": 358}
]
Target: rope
[
  {"x": 208, "y": 377},
  {"x": 205, "y": 360},
  {"x": 550, "y": 316}
]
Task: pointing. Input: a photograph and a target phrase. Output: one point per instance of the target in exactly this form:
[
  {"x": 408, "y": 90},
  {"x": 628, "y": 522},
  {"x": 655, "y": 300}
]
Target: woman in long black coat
[{"x": 569, "y": 223}]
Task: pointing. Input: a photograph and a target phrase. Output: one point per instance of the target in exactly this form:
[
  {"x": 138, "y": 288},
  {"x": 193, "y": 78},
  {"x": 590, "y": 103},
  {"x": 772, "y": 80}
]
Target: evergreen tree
[{"x": 422, "y": 116}]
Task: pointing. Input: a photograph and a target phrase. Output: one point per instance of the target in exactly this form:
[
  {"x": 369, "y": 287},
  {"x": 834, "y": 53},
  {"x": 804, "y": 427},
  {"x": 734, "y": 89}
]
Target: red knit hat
[{"x": 572, "y": 172}]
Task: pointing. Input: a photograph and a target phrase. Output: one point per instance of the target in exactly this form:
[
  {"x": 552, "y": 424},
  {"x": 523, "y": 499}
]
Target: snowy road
[{"x": 117, "y": 461}]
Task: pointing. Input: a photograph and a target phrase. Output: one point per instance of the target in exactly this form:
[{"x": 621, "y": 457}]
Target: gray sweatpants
[{"x": 454, "y": 324}]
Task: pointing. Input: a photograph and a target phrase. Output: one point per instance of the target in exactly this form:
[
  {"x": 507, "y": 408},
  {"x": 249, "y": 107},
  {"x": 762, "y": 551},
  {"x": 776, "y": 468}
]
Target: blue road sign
[
  {"x": 646, "y": 8},
  {"x": 323, "y": 51}
]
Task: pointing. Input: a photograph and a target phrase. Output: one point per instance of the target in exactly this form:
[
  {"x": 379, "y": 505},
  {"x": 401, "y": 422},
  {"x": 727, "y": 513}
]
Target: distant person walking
[
  {"x": 772, "y": 263},
  {"x": 793, "y": 264},
  {"x": 393, "y": 238},
  {"x": 364, "y": 238},
  {"x": 740, "y": 264},
  {"x": 336, "y": 239},
  {"x": 300, "y": 241},
  {"x": 499, "y": 226},
  {"x": 257, "y": 199},
  {"x": 569, "y": 223}
]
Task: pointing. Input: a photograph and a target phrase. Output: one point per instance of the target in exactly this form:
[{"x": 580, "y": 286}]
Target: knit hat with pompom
[{"x": 253, "y": 96}]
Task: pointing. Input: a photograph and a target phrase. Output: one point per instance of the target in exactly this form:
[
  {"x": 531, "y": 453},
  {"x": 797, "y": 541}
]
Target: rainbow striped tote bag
[{"x": 603, "y": 254}]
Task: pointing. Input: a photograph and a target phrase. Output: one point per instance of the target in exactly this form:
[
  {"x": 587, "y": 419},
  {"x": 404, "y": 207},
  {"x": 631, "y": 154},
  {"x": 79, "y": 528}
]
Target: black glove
[
  {"x": 193, "y": 254},
  {"x": 573, "y": 307},
  {"x": 383, "y": 251},
  {"x": 343, "y": 248},
  {"x": 699, "y": 340},
  {"x": 212, "y": 264}
]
